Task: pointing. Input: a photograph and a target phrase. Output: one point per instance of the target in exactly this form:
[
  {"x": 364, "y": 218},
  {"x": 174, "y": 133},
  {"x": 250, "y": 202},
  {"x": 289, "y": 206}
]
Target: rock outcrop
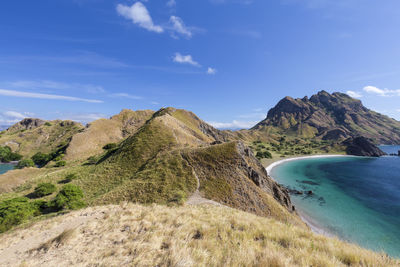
[
  {"x": 334, "y": 117},
  {"x": 361, "y": 146},
  {"x": 26, "y": 124}
]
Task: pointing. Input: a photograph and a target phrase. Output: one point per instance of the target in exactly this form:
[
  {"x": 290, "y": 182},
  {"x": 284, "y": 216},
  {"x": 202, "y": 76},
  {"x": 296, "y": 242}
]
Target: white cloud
[
  {"x": 234, "y": 124},
  {"x": 13, "y": 93},
  {"x": 211, "y": 71},
  {"x": 14, "y": 114},
  {"x": 46, "y": 84},
  {"x": 171, "y": 3},
  {"x": 185, "y": 59},
  {"x": 381, "y": 92},
  {"x": 125, "y": 95},
  {"x": 178, "y": 26},
  {"x": 139, "y": 15},
  {"x": 83, "y": 117},
  {"x": 354, "y": 94}
]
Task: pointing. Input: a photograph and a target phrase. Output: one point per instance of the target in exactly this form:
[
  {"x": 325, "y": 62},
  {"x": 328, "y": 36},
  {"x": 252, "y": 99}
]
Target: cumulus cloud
[
  {"x": 234, "y": 124},
  {"x": 381, "y": 92},
  {"x": 13, "y": 93},
  {"x": 354, "y": 94},
  {"x": 211, "y": 71},
  {"x": 185, "y": 59},
  {"x": 178, "y": 26},
  {"x": 139, "y": 15}
]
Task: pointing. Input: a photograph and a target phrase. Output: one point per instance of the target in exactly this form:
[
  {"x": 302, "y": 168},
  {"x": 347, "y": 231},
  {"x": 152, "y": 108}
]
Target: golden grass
[
  {"x": 43, "y": 139},
  {"x": 135, "y": 235}
]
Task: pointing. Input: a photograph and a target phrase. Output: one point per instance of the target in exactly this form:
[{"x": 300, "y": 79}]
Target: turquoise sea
[
  {"x": 5, "y": 168},
  {"x": 354, "y": 198}
]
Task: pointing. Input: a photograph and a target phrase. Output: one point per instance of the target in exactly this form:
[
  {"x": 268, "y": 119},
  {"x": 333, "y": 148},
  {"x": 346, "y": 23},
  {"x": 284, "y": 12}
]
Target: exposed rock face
[
  {"x": 257, "y": 173},
  {"x": 361, "y": 146},
  {"x": 26, "y": 124},
  {"x": 327, "y": 116}
]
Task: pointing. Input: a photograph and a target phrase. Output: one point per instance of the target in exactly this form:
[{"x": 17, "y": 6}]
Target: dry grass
[
  {"x": 104, "y": 131},
  {"x": 43, "y": 139},
  {"x": 134, "y": 235}
]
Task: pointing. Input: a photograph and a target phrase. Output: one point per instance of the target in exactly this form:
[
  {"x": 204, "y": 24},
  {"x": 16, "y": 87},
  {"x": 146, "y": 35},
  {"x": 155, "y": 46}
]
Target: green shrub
[
  {"x": 69, "y": 178},
  {"x": 17, "y": 210},
  {"x": 25, "y": 163},
  {"x": 110, "y": 146},
  {"x": 44, "y": 189},
  {"x": 263, "y": 155},
  {"x": 47, "y": 123},
  {"x": 69, "y": 197},
  {"x": 6, "y": 155},
  {"x": 92, "y": 160},
  {"x": 41, "y": 159},
  {"x": 61, "y": 163}
]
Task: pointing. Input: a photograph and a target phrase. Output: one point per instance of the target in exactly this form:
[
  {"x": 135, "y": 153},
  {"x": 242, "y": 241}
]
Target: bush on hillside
[
  {"x": 263, "y": 155},
  {"x": 110, "y": 146},
  {"x": 25, "y": 163},
  {"x": 44, "y": 189},
  {"x": 61, "y": 163},
  {"x": 41, "y": 159},
  {"x": 6, "y": 155},
  {"x": 69, "y": 197},
  {"x": 17, "y": 210},
  {"x": 69, "y": 178}
]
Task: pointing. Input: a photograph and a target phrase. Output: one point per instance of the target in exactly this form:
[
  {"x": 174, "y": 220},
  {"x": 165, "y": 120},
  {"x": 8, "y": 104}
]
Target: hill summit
[{"x": 327, "y": 116}]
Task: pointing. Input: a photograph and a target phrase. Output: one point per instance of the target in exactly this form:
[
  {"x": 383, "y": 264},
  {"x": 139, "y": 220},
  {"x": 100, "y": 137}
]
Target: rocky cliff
[
  {"x": 361, "y": 146},
  {"x": 327, "y": 116}
]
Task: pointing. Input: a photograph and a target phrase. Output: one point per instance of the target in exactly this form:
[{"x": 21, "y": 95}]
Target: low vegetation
[
  {"x": 6, "y": 155},
  {"x": 25, "y": 163},
  {"x": 137, "y": 235},
  {"x": 44, "y": 189}
]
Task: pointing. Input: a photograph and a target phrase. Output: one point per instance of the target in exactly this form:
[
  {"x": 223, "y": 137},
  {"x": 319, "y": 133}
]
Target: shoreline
[
  {"x": 279, "y": 162},
  {"x": 306, "y": 219}
]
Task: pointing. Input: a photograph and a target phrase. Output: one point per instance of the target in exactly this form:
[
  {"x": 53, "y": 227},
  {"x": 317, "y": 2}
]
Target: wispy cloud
[
  {"x": 79, "y": 58},
  {"x": 139, "y": 15},
  {"x": 171, "y": 3},
  {"x": 234, "y": 124},
  {"x": 354, "y": 94},
  {"x": 381, "y": 92},
  {"x": 13, "y": 93},
  {"x": 185, "y": 59},
  {"x": 211, "y": 71},
  {"x": 83, "y": 117},
  {"x": 179, "y": 27},
  {"x": 11, "y": 117},
  {"x": 125, "y": 95},
  {"x": 48, "y": 84}
]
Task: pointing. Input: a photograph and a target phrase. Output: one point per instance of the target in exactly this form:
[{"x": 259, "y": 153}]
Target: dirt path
[
  {"x": 197, "y": 199},
  {"x": 11, "y": 252}
]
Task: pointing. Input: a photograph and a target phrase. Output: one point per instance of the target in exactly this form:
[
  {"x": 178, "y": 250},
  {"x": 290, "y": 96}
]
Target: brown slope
[{"x": 104, "y": 131}]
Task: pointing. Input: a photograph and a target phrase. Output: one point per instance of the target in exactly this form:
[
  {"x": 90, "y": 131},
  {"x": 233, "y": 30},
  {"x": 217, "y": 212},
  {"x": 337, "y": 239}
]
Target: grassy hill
[
  {"x": 136, "y": 235},
  {"x": 165, "y": 158},
  {"x": 33, "y": 135}
]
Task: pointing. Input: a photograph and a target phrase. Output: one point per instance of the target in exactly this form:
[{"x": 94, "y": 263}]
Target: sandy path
[
  {"x": 11, "y": 252},
  {"x": 197, "y": 199}
]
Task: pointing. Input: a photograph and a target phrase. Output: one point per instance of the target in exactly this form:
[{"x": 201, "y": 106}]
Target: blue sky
[{"x": 229, "y": 61}]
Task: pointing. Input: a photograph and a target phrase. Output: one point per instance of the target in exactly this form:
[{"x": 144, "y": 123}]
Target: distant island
[{"x": 172, "y": 158}]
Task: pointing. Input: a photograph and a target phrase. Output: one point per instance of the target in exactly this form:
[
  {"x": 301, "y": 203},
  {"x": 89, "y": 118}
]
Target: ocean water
[
  {"x": 356, "y": 199},
  {"x": 5, "y": 168}
]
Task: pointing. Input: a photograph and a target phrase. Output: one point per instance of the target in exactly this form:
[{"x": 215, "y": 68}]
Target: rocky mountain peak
[
  {"x": 27, "y": 124},
  {"x": 329, "y": 117}
]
